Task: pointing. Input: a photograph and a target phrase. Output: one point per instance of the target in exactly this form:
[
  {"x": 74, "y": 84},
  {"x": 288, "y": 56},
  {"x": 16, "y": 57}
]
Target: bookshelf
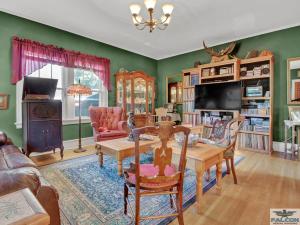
[
  {"x": 256, "y": 135},
  {"x": 190, "y": 78}
]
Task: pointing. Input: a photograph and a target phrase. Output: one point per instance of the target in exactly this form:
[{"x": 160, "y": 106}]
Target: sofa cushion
[
  {"x": 12, "y": 158},
  {"x": 149, "y": 170},
  {"x": 101, "y": 129},
  {"x": 112, "y": 133}
]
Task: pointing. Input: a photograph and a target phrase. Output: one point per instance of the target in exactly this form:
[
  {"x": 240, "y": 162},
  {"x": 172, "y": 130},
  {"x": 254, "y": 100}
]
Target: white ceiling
[{"x": 109, "y": 21}]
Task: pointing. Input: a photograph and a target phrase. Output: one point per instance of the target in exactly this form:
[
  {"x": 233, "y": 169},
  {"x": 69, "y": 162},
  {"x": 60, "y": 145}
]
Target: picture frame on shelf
[{"x": 3, "y": 101}]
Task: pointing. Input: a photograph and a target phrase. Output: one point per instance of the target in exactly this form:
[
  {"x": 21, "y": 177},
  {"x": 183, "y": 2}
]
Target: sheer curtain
[{"x": 29, "y": 56}]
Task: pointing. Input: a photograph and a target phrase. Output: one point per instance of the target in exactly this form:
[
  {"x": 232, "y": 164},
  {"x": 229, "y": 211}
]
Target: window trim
[{"x": 65, "y": 121}]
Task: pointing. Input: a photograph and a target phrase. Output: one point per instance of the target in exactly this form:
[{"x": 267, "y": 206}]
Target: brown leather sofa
[{"x": 18, "y": 172}]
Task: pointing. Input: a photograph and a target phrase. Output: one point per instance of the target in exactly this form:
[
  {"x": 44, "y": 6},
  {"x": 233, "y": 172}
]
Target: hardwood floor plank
[{"x": 264, "y": 182}]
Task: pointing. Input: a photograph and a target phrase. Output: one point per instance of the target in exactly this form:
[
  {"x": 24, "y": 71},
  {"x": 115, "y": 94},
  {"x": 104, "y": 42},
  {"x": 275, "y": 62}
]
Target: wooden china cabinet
[{"x": 136, "y": 93}]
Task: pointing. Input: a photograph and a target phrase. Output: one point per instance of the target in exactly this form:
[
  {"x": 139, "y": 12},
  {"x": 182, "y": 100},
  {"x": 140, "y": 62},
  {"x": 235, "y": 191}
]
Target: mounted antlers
[{"x": 221, "y": 55}]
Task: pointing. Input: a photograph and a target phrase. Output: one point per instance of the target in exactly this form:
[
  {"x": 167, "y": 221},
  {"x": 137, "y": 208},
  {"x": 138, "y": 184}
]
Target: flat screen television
[{"x": 227, "y": 96}]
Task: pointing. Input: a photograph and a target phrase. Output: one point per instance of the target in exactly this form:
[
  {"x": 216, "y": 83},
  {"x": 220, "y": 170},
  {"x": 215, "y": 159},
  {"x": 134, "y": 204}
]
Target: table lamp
[{"x": 79, "y": 89}]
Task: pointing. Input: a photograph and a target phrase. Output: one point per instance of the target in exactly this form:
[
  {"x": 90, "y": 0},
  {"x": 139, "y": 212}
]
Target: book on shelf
[
  {"x": 188, "y": 94},
  {"x": 257, "y": 125},
  {"x": 190, "y": 80},
  {"x": 194, "y": 79},
  {"x": 226, "y": 70},
  {"x": 256, "y": 108},
  {"x": 205, "y": 72},
  {"x": 254, "y": 141},
  {"x": 194, "y": 119},
  {"x": 188, "y": 106}
]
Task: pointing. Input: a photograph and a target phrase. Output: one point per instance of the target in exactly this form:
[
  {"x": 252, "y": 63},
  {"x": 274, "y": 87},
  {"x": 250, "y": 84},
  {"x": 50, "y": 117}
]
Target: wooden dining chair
[
  {"x": 158, "y": 178},
  {"x": 225, "y": 133}
]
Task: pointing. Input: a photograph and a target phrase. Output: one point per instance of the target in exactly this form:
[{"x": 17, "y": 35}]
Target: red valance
[{"x": 29, "y": 56}]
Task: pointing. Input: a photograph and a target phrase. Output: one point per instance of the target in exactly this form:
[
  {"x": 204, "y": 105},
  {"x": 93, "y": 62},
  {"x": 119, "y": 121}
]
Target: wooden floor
[
  {"x": 264, "y": 182},
  {"x": 49, "y": 157}
]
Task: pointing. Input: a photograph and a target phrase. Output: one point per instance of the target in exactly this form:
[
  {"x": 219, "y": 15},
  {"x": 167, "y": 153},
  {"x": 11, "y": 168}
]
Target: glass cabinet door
[
  {"x": 128, "y": 96},
  {"x": 120, "y": 91},
  {"x": 150, "y": 95},
  {"x": 139, "y": 96}
]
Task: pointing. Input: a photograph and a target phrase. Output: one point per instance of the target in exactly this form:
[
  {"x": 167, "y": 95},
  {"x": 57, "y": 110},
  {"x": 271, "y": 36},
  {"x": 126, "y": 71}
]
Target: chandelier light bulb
[
  {"x": 167, "y": 9},
  {"x": 135, "y": 9},
  {"x": 150, "y": 4}
]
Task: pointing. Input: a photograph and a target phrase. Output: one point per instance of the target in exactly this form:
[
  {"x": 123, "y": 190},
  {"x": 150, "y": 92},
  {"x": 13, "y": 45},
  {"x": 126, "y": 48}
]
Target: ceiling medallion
[{"x": 140, "y": 23}]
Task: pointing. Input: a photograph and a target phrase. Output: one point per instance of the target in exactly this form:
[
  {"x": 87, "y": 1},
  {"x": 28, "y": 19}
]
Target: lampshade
[
  {"x": 167, "y": 9},
  {"x": 150, "y": 4},
  {"x": 165, "y": 20},
  {"x": 135, "y": 9},
  {"x": 79, "y": 89}
]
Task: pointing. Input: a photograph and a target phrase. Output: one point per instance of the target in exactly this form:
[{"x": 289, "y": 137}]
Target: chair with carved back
[
  {"x": 225, "y": 133},
  {"x": 160, "y": 177}
]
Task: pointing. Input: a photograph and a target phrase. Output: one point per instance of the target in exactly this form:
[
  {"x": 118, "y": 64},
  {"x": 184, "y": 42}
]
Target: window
[{"x": 70, "y": 104}]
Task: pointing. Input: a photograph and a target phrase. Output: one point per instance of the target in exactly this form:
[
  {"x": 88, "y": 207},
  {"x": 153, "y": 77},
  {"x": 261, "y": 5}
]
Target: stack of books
[
  {"x": 256, "y": 124},
  {"x": 188, "y": 106},
  {"x": 253, "y": 141},
  {"x": 190, "y": 80},
  {"x": 188, "y": 94}
]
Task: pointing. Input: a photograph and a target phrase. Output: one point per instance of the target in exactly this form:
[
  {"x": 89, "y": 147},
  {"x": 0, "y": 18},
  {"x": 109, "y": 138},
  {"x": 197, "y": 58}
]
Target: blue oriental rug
[{"x": 91, "y": 195}]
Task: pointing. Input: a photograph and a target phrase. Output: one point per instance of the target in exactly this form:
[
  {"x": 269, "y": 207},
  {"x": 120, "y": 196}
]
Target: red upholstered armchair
[{"x": 107, "y": 123}]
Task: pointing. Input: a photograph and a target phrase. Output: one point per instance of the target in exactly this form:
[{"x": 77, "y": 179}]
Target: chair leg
[
  {"x": 233, "y": 170},
  {"x": 137, "y": 208},
  {"x": 179, "y": 203},
  {"x": 207, "y": 176},
  {"x": 171, "y": 200},
  {"x": 227, "y": 166},
  {"x": 125, "y": 198}
]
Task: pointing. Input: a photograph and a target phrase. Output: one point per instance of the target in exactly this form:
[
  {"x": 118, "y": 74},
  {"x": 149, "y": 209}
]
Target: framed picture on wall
[
  {"x": 3, "y": 101},
  {"x": 295, "y": 89}
]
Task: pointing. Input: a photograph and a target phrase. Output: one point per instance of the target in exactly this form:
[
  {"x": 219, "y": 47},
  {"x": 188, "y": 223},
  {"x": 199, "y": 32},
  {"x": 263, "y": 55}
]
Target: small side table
[
  {"x": 22, "y": 208},
  {"x": 289, "y": 124}
]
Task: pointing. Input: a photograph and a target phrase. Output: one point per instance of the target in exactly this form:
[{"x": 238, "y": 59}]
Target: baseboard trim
[
  {"x": 72, "y": 144},
  {"x": 279, "y": 146}
]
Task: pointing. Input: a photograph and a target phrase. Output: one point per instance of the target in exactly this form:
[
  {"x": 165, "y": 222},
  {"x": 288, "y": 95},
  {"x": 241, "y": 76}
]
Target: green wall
[
  {"x": 15, "y": 26},
  {"x": 284, "y": 44}
]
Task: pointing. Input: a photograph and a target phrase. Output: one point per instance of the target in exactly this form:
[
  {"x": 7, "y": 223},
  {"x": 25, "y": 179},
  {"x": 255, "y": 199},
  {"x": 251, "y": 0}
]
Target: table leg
[
  {"x": 199, "y": 189},
  {"x": 100, "y": 158},
  {"x": 285, "y": 139},
  {"x": 120, "y": 171},
  {"x": 293, "y": 141},
  {"x": 219, "y": 174}
]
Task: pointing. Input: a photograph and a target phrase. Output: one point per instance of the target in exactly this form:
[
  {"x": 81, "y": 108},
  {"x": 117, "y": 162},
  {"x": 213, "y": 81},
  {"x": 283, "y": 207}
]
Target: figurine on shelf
[
  {"x": 219, "y": 56},
  {"x": 131, "y": 126}
]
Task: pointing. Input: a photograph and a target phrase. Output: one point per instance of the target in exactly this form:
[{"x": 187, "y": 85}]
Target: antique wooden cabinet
[
  {"x": 41, "y": 119},
  {"x": 136, "y": 93}
]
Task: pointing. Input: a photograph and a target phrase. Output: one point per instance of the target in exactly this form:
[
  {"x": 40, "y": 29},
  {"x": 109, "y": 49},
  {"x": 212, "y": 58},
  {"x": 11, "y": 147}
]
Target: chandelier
[{"x": 140, "y": 23}]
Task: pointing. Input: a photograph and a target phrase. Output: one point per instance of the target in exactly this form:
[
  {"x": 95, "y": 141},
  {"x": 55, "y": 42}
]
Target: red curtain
[{"x": 29, "y": 56}]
